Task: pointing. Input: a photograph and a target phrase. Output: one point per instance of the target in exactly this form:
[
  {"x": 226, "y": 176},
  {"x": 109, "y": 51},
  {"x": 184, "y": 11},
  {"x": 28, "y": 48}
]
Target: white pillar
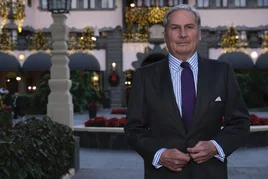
[{"x": 60, "y": 106}]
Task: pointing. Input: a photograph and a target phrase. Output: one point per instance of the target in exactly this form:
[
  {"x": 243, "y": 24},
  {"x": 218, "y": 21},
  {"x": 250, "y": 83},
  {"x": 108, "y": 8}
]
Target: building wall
[
  {"x": 237, "y": 16},
  {"x": 78, "y": 19}
]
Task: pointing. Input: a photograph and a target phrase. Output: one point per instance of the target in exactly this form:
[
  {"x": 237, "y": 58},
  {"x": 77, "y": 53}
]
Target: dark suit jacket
[{"x": 154, "y": 120}]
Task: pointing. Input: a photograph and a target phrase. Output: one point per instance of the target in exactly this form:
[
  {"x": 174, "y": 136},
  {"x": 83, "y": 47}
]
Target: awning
[
  {"x": 9, "y": 62},
  {"x": 37, "y": 62},
  {"x": 82, "y": 61},
  {"x": 262, "y": 61},
  {"x": 238, "y": 60}
]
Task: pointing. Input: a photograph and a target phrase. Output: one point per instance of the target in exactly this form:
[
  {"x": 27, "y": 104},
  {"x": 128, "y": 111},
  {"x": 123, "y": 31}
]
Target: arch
[
  {"x": 238, "y": 60},
  {"x": 37, "y": 62},
  {"x": 262, "y": 62},
  {"x": 82, "y": 61},
  {"x": 9, "y": 62}
]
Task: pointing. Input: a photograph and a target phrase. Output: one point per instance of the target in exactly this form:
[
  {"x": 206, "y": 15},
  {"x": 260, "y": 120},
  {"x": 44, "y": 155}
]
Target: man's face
[{"x": 182, "y": 34}]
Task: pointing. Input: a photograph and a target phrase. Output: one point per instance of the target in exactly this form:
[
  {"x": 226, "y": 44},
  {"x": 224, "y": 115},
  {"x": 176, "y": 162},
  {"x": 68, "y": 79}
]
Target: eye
[{"x": 190, "y": 26}]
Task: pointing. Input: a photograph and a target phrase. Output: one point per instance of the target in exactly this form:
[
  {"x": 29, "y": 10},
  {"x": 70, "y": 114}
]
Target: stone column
[{"x": 60, "y": 106}]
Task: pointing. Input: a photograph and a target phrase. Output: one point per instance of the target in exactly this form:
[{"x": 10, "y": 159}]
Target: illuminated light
[
  {"x": 254, "y": 55},
  {"x": 21, "y": 56},
  {"x": 19, "y": 29},
  {"x": 18, "y": 78},
  {"x": 96, "y": 78},
  {"x": 93, "y": 38}
]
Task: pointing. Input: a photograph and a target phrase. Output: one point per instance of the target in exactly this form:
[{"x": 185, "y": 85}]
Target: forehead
[{"x": 182, "y": 17}]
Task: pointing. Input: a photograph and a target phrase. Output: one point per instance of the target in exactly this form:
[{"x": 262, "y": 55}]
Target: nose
[{"x": 183, "y": 33}]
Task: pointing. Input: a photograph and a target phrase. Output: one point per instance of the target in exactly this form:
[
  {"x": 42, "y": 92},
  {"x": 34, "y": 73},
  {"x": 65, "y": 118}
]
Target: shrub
[
  {"x": 5, "y": 120},
  {"x": 37, "y": 149}
]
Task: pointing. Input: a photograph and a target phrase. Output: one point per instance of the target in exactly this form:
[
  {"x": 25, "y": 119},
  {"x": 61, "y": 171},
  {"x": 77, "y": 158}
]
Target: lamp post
[{"x": 60, "y": 106}]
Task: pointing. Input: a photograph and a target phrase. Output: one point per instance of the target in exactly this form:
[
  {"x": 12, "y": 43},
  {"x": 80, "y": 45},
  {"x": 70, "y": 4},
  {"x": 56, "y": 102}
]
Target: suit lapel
[
  {"x": 163, "y": 85},
  {"x": 202, "y": 92}
]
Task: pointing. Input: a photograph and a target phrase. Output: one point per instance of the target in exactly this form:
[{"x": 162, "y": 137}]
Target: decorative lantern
[{"x": 19, "y": 13}]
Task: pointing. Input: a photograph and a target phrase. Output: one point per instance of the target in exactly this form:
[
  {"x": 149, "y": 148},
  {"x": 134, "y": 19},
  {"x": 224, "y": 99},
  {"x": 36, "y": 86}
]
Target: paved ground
[{"x": 245, "y": 163}]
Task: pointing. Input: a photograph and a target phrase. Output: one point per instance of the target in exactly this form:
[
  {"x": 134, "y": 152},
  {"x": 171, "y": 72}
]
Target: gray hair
[{"x": 182, "y": 7}]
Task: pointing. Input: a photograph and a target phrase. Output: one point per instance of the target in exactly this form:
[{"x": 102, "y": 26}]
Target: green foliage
[
  {"x": 82, "y": 92},
  {"x": 254, "y": 87},
  {"x": 39, "y": 99},
  {"x": 5, "y": 120},
  {"x": 40, "y": 149}
]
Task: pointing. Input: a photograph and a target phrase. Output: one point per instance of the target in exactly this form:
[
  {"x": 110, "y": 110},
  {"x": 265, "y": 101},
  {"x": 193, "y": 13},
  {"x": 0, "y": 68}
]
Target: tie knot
[{"x": 185, "y": 65}]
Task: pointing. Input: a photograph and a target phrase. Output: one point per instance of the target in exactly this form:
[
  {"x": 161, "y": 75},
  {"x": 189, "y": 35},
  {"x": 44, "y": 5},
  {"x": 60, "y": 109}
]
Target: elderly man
[{"x": 176, "y": 108}]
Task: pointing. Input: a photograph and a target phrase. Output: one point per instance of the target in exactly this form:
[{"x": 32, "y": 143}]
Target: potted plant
[{"x": 92, "y": 109}]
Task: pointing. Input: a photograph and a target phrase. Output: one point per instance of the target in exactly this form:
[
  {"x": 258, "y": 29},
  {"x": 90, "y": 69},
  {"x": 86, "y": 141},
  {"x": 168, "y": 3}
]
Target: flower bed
[
  {"x": 102, "y": 132},
  {"x": 119, "y": 111},
  {"x": 255, "y": 120},
  {"x": 105, "y": 122}
]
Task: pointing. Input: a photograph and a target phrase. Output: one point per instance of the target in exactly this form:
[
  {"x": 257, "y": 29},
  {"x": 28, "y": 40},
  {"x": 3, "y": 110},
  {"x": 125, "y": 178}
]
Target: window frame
[
  {"x": 83, "y": 9},
  {"x": 248, "y": 5}
]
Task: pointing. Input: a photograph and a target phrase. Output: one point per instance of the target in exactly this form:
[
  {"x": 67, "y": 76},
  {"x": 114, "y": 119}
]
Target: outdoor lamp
[
  {"x": 18, "y": 78},
  {"x": 59, "y": 6},
  {"x": 113, "y": 65}
]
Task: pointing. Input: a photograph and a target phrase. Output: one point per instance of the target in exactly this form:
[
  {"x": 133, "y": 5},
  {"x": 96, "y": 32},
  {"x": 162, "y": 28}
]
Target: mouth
[{"x": 183, "y": 43}]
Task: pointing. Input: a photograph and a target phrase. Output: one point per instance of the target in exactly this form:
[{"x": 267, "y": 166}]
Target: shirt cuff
[
  {"x": 157, "y": 157},
  {"x": 220, "y": 155}
]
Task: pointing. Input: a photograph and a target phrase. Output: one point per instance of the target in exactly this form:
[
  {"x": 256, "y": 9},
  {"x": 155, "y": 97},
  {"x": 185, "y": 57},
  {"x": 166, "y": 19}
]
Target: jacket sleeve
[
  {"x": 137, "y": 128},
  {"x": 237, "y": 119}
]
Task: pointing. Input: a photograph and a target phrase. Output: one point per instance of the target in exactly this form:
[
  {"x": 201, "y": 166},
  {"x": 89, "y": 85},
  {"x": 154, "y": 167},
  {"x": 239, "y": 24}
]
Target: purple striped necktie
[{"x": 187, "y": 94}]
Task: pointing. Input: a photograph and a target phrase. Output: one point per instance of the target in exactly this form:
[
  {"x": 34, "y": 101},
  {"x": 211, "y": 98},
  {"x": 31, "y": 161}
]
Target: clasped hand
[{"x": 175, "y": 160}]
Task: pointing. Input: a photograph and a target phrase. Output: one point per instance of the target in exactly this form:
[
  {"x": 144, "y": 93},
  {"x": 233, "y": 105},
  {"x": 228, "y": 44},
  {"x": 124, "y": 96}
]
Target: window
[
  {"x": 29, "y": 2},
  {"x": 85, "y": 4},
  {"x": 203, "y": 3},
  {"x": 177, "y": 2},
  {"x": 262, "y": 3},
  {"x": 239, "y": 3},
  {"x": 107, "y": 4},
  {"x": 221, "y": 3},
  {"x": 43, "y": 4}
]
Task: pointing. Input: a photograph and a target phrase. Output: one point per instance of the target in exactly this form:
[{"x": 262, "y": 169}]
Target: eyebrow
[{"x": 184, "y": 25}]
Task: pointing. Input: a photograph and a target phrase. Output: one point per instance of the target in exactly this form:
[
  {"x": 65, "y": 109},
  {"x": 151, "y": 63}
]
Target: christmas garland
[
  {"x": 39, "y": 41},
  {"x": 114, "y": 79},
  {"x": 230, "y": 40},
  {"x": 5, "y": 41},
  {"x": 4, "y": 10},
  {"x": 19, "y": 10}
]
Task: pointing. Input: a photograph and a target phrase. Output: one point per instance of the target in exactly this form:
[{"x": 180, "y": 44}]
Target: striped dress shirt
[{"x": 175, "y": 71}]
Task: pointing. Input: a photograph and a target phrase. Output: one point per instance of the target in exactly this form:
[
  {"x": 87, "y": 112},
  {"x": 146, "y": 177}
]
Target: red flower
[
  {"x": 255, "y": 120},
  {"x": 96, "y": 122},
  {"x": 113, "y": 122},
  {"x": 119, "y": 111},
  {"x": 122, "y": 122},
  {"x": 104, "y": 122}
]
